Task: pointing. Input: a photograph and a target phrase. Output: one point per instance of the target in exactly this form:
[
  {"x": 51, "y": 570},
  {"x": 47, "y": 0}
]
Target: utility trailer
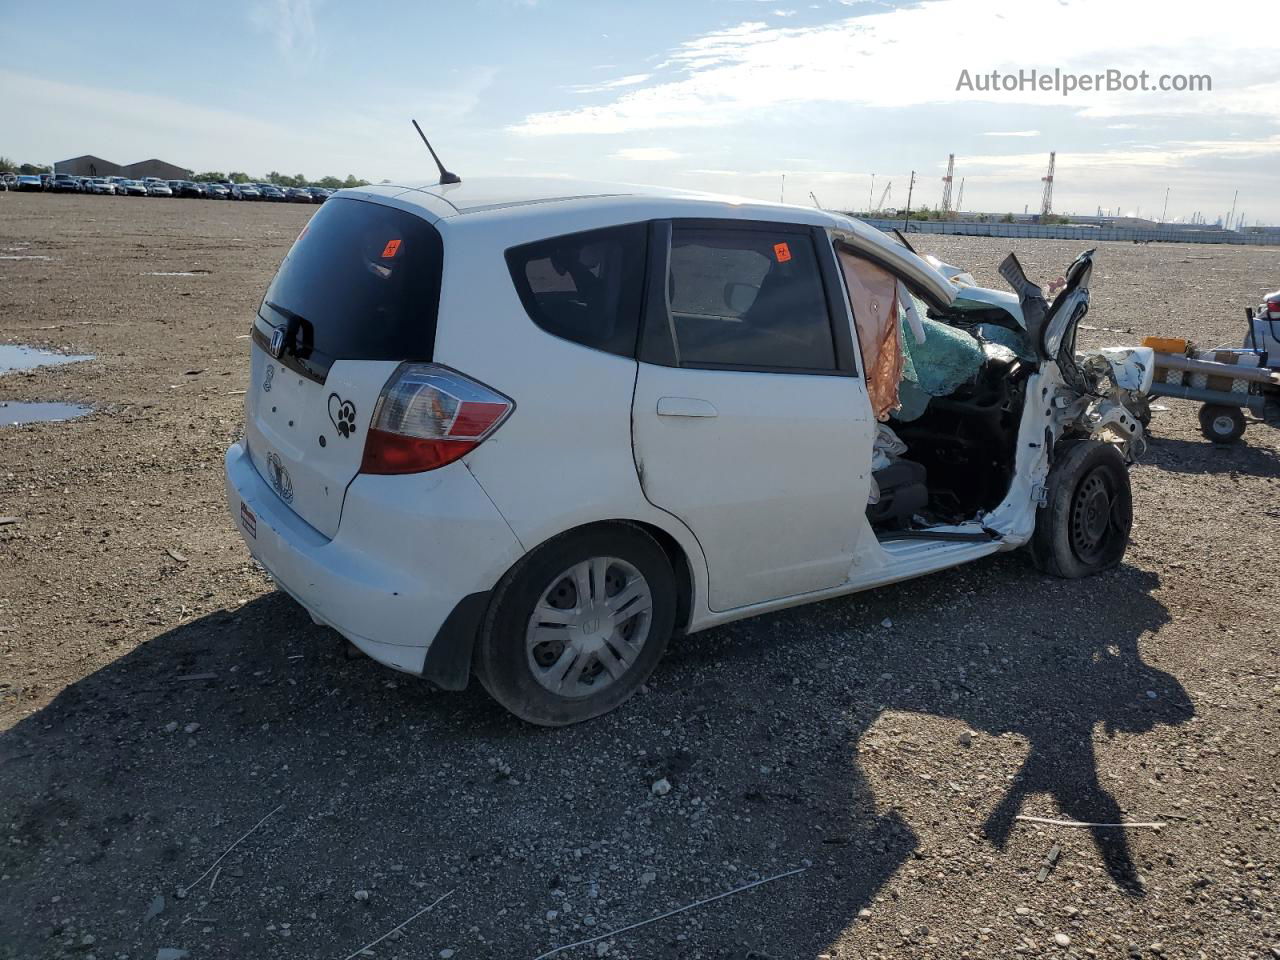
[{"x": 1228, "y": 380}]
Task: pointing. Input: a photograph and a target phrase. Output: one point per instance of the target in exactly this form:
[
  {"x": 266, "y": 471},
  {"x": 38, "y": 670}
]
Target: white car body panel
[
  {"x": 1134, "y": 368},
  {"x": 881, "y": 565},
  {"x": 286, "y": 414},
  {"x": 1002, "y": 299},
  {"x": 539, "y": 493},
  {"x": 382, "y": 582},
  {"x": 769, "y": 470}
]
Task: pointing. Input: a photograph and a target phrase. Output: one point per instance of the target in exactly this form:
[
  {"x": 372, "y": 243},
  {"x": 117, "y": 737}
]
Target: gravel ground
[{"x": 158, "y": 699}]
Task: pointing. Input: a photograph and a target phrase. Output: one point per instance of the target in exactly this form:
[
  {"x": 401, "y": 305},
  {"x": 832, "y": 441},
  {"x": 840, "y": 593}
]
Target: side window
[
  {"x": 748, "y": 298},
  {"x": 585, "y": 287}
]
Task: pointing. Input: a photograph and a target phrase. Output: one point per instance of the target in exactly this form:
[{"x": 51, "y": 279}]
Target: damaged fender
[{"x": 1100, "y": 395}]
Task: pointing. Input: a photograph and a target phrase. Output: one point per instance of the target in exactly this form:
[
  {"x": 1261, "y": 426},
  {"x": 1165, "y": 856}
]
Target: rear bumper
[{"x": 402, "y": 575}]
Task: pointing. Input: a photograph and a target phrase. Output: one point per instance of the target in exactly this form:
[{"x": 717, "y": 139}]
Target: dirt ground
[{"x": 158, "y": 699}]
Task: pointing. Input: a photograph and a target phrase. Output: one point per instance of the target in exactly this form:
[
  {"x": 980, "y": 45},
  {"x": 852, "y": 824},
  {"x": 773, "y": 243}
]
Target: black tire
[
  {"x": 1084, "y": 527},
  {"x": 1221, "y": 424},
  {"x": 505, "y": 659}
]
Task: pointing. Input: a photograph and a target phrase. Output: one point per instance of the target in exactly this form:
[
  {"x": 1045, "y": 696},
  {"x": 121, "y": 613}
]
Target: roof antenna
[{"x": 445, "y": 175}]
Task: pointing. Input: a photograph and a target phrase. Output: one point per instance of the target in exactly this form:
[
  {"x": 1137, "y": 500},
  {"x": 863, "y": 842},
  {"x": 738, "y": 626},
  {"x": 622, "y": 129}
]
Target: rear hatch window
[
  {"x": 355, "y": 297},
  {"x": 362, "y": 282}
]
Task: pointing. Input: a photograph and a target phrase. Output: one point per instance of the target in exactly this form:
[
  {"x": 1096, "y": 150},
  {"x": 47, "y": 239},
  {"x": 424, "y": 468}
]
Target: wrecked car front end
[
  {"x": 1102, "y": 394},
  {"x": 988, "y": 389},
  {"x": 1095, "y": 396}
]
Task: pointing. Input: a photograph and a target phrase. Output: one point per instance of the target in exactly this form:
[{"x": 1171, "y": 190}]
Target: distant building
[
  {"x": 91, "y": 166},
  {"x": 154, "y": 168},
  {"x": 87, "y": 166}
]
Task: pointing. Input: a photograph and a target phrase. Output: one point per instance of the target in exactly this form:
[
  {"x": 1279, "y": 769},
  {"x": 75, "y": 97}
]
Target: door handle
[{"x": 686, "y": 407}]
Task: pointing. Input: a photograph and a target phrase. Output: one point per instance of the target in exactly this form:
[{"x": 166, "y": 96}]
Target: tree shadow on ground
[{"x": 407, "y": 793}]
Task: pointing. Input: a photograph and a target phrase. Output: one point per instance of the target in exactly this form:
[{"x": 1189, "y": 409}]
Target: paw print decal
[
  {"x": 270, "y": 375},
  {"x": 343, "y": 414}
]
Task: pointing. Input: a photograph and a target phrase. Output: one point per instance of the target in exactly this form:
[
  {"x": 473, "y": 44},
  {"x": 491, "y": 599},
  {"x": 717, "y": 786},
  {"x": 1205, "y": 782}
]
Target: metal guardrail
[{"x": 1060, "y": 232}]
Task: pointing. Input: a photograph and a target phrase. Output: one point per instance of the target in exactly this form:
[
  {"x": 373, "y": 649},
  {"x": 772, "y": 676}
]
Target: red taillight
[
  {"x": 1273, "y": 308},
  {"x": 428, "y": 416}
]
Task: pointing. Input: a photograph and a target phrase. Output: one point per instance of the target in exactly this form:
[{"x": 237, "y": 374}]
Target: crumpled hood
[{"x": 1001, "y": 299}]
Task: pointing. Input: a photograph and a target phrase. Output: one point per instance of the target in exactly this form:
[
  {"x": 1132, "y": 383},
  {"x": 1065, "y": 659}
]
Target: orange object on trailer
[{"x": 1167, "y": 344}]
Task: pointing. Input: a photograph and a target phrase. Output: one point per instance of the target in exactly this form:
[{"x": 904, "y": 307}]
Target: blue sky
[{"x": 725, "y": 95}]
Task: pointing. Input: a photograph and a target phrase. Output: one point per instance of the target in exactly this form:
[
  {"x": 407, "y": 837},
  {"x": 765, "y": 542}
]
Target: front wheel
[
  {"x": 1084, "y": 527},
  {"x": 1221, "y": 424},
  {"x": 578, "y": 625}
]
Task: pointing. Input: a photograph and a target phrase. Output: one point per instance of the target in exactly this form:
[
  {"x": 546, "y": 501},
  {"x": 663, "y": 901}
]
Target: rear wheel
[
  {"x": 1221, "y": 424},
  {"x": 578, "y": 625},
  {"x": 1084, "y": 527}
]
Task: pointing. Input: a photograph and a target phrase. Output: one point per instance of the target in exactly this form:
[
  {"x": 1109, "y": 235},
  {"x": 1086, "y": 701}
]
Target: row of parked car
[{"x": 155, "y": 187}]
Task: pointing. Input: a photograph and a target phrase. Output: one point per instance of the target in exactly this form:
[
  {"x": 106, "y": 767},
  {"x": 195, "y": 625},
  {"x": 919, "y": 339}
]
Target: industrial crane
[
  {"x": 1046, "y": 201},
  {"x": 884, "y": 196},
  {"x": 947, "y": 181},
  {"x": 815, "y": 200}
]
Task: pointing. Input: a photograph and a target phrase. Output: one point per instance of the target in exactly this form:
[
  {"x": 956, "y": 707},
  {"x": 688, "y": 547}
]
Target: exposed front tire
[
  {"x": 1084, "y": 527},
  {"x": 1221, "y": 424},
  {"x": 578, "y": 625}
]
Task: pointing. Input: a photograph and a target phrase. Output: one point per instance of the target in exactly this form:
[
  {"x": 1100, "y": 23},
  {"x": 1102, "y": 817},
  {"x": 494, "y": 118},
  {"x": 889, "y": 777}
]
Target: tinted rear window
[
  {"x": 585, "y": 287},
  {"x": 362, "y": 282}
]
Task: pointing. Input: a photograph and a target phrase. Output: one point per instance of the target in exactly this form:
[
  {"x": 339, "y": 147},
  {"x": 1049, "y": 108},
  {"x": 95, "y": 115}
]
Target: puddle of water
[
  {"x": 14, "y": 356},
  {"x": 13, "y": 414}
]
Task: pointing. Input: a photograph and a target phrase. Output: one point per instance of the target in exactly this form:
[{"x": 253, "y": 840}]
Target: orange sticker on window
[
  {"x": 782, "y": 252},
  {"x": 390, "y": 249}
]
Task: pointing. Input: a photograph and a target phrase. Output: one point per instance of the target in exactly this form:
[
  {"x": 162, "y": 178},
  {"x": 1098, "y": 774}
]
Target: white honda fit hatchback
[{"x": 529, "y": 430}]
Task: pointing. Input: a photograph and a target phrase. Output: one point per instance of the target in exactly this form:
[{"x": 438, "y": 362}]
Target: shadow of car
[{"x": 772, "y": 723}]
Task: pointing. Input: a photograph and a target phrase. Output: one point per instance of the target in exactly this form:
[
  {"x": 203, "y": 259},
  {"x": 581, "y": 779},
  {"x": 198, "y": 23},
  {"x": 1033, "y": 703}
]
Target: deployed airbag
[
  {"x": 873, "y": 295},
  {"x": 947, "y": 358}
]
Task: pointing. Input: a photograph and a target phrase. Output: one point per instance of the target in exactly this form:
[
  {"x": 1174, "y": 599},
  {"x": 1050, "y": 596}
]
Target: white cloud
[
  {"x": 909, "y": 56},
  {"x": 647, "y": 154},
  {"x": 630, "y": 80},
  {"x": 809, "y": 176},
  {"x": 1012, "y": 133},
  {"x": 291, "y": 23}
]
